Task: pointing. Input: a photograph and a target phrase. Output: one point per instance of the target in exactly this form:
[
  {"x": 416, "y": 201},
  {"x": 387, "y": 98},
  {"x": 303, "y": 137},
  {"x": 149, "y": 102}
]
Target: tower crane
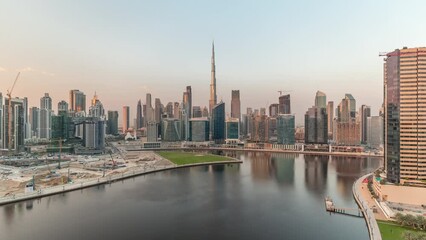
[{"x": 9, "y": 113}]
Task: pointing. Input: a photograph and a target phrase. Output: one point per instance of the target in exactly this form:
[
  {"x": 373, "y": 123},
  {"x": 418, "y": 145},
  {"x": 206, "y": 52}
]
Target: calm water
[{"x": 269, "y": 196}]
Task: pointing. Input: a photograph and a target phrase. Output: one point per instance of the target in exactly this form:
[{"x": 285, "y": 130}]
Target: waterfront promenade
[
  {"x": 373, "y": 227},
  {"x": 38, "y": 193},
  {"x": 345, "y": 154}
]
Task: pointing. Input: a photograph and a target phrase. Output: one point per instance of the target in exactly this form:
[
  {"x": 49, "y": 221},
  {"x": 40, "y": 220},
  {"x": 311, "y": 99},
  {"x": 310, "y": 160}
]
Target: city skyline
[{"x": 342, "y": 59}]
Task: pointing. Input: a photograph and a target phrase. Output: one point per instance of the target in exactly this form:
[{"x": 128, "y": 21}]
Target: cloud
[{"x": 30, "y": 69}]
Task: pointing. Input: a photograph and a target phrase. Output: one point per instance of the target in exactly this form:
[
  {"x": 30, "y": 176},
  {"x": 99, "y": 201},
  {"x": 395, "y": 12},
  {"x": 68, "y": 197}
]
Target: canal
[{"x": 268, "y": 196}]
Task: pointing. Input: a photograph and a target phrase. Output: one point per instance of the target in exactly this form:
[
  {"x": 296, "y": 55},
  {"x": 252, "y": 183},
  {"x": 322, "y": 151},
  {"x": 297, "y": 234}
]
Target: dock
[{"x": 330, "y": 207}]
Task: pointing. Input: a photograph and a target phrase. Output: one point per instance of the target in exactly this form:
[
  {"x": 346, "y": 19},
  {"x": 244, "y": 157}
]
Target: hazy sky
[{"x": 124, "y": 49}]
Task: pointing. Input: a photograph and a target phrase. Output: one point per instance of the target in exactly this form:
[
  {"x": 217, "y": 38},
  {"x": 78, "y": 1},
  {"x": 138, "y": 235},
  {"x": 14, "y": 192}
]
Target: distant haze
[{"x": 124, "y": 50}]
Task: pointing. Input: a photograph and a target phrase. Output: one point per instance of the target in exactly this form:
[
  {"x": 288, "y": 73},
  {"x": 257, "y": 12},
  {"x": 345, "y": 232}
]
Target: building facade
[
  {"x": 316, "y": 126},
  {"x": 405, "y": 104},
  {"x": 286, "y": 129}
]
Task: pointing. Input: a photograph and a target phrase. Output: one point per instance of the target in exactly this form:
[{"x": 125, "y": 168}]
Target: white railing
[{"x": 373, "y": 227}]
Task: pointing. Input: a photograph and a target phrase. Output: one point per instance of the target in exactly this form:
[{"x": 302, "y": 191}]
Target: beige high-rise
[
  {"x": 405, "y": 85},
  {"x": 413, "y": 113}
]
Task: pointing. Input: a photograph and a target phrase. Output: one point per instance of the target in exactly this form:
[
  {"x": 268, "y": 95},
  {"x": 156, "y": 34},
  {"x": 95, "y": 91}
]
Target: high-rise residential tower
[
  {"x": 77, "y": 101},
  {"x": 139, "y": 119},
  {"x": 218, "y": 119},
  {"x": 96, "y": 109},
  {"x": 405, "y": 104},
  {"x": 62, "y": 108},
  {"x": 284, "y": 104},
  {"x": 112, "y": 123},
  {"x": 235, "y": 104},
  {"x": 273, "y": 110},
  {"x": 365, "y": 113},
  {"x": 330, "y": 118},
  {"x": 45, "y": 124},
  {"x": 316, "y": 131},
  {"x": 126, "y": 118},
  {"x": 149, "y": 117},
  {"x": 320, "y": 99},
  {"x": 213, "y": 96}
]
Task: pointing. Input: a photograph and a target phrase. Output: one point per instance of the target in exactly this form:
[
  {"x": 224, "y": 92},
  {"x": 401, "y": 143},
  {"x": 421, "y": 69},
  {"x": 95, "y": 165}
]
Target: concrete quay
[
  {"x": 99, "y": 181},
  {"x": 347, "y": 154},
  {"x": 373, "y": 227}
]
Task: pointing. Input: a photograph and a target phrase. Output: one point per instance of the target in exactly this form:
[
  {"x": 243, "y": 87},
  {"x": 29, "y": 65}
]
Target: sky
[{"x": 124, "y": 49}]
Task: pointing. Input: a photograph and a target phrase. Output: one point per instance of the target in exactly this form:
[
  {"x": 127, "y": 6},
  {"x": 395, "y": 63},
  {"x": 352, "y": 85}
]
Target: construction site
[{"x": 18, "y": 176}]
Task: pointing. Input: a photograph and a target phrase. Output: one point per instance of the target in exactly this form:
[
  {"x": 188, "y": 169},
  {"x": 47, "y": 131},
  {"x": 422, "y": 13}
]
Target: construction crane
[
  {"x": 283, "y": 91},
  {"x": 9, "y": 112}
]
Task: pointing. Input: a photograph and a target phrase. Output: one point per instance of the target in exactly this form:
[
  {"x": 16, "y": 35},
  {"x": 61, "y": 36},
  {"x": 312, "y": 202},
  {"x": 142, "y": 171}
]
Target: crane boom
[{"x": 13, "y": 86}]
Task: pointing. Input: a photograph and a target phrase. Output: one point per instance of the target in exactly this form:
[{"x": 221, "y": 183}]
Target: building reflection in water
[
  {"x": 277, "y": 166},
  {"x": 283, "y": 168},
  {"x": 350, "y": 168},
  {"x": 316, "y": 169}
]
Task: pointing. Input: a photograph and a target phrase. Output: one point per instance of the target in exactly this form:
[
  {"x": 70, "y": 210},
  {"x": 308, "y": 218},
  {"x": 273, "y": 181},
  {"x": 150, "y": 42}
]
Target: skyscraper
[
  {"x": 45, "y": 124},
  {"x": 96, "y": 108},
  {"x": 199, "y": 129},
  {"x": 197, "y": 112},
  {"x": 330, "y": 118},
  {"x": 176, "y": 112},
  {"x": 170, "y": 130},
  {"x": 213, "y": 96},
  {"x": 149, "y": 117},
  {"x": 320, "y": 99},
  {"x": 16, "y": 139},
  {"x": 232, "y": 128},
  {"x": 189, "y": 101},
  {"x": 347, "y": 129},
  {"x": 365, "y": 113},
  {"x": 62, "y": 108},
  {"x": 273, "y": 110},
  {"x": 374, "y": 131},
  {"x": 187, "y": 111},
  {"x": 405, "y": 101},
  {"x": 158, "y": 111},
  {"x": 352, "y": 105},
  {"x": 284, "y": 104},
  {"x": 218, "y": 118},
  {"x": 286, "y": 129},
  {"x": 112, "y": 123},
  {"x": 139, "y": 119},
  {"x": 34, "y": 121},
  {"x": 316, "y": 131},
  {"x": 77, "y": 101},
  {"x": 169, "y": 110},
  {"x": 126, "y": 118},
  {"x": 235, "y": 104}
]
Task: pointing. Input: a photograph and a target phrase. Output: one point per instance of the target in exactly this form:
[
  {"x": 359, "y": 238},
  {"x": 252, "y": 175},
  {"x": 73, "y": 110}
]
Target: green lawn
[
  {"x": 392, "y": 231},
  {"x": 182, "y": 158}
]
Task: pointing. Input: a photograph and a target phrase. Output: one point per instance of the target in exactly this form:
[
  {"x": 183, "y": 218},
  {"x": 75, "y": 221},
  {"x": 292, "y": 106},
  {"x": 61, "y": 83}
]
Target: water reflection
[
  {"x": 316, "y": 169},
  {"x": 283, "y": 168},
  {"x": 268, "y": 196}
]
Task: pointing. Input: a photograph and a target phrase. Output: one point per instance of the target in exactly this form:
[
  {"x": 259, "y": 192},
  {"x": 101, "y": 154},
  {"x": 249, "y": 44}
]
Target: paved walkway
[
  {"x": 98, "y": 181},
  {"x": 365, "y": 193},
  {"x": 361, "y": 200}
]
